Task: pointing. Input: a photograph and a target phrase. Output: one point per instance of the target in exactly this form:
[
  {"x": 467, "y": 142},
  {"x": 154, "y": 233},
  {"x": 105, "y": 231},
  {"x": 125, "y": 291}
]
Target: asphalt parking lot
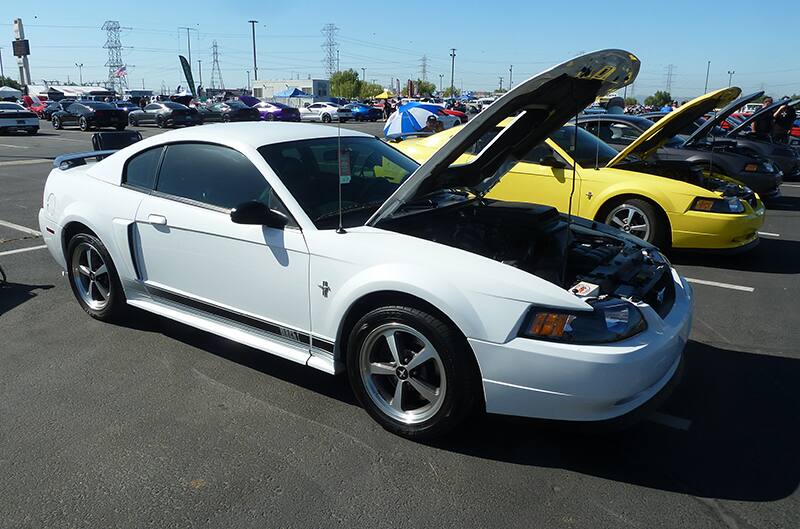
[{"x": 154, "y": 424}]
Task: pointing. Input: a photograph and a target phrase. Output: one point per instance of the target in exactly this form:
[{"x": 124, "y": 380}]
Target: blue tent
[{"x": 292, "y": 92}]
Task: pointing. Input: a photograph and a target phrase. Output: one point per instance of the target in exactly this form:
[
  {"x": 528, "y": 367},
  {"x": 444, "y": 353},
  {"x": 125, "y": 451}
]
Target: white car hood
[{"x": 541, "y": 104}]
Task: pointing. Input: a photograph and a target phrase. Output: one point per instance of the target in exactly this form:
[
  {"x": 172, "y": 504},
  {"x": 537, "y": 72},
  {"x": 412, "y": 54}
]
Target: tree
[
  {"x": 369, "y": 90},
  {"x": 630, "y": 101},
  {"x": 345, "y": 84},
  {"x": 425, "y": 88},
  {"x": 7, "y": 81},
  {"x": 455, "y": 92},
  {"x": 659, "y": 99}
]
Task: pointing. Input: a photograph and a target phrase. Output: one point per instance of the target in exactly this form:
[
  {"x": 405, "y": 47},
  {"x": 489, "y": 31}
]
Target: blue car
[{"x": 362, "y": 112}]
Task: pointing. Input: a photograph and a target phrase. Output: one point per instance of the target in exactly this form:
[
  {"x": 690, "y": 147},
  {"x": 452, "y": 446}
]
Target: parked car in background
[
  {"x": 165, "y": 114},
  {"x": 325, "y": 113},
  {"x": 15, "y": 117},
  {"x": 227, "y": 111},
  {"x": 362, "y": 112},
  {"x": 672, "y": 140},
  {"x": 462, "y": 116},
  {"x": 127, "y": 106},
  {"x": 90, "y": 115},
  {"x": 55, "y": 106},
  {"x": 270, "y": 111},
  {"x": 37, "y": 106}
]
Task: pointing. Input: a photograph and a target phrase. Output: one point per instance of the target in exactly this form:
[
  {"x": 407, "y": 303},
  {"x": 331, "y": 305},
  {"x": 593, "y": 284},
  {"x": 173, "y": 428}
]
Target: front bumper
[
  {"x": 532, "y": 378},
  {"x": 700, "y": 230}
]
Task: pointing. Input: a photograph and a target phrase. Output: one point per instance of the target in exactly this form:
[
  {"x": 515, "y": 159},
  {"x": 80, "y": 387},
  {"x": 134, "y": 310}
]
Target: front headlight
[
  {"x": 610, "y": 321},
  {"x": 718, "y": 205},
  {"x": 764, "y": 167}
]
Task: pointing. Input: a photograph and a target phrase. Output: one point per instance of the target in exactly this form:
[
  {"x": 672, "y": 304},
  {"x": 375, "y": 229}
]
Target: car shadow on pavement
[
  {"x": 15, "y": 294},
  {"x": 771, "y": 256},
  {"x": 271, "y": 365},
  {"x": 742, "y": 443},
  {"x": 784, "y": 203}
]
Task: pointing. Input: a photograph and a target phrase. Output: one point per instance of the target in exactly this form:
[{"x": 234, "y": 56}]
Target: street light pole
[
  {"x": 248, "y": 79},
  {"x": 441, "y": 76},
  {"x": 80, "y": 72},
  {"x": 708, "y": 69},
  {"x": 510, "y": 73},
  {"x": 200, "y": 69},
  {"x": 452, "y": 71},
  {"x": 2, "y": 73},
  {"x": 730, "y": 77},
  {"x": 364, "y": 74},
  {"x": 255, "y": 66},
  {"x": 188, "y": 43},
  {"x": 338, "y": 68}
]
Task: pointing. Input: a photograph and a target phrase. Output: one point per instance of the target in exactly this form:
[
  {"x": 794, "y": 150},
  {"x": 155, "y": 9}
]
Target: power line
[{"x": 330, "y": 47}]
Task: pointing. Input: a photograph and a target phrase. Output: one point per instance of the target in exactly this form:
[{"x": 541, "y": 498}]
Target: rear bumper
[
  {"x": 19, "y": 123},
  {"x": 51, "y": 233},
  {"x": 531, "y": 378}
]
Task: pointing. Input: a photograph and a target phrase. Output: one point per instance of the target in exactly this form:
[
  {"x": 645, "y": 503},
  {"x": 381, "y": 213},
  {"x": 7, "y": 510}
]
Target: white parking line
[
  {"x": 678, "y": 423},
  {"x": 12, "y": 146},
  {"x": 21, "y": 250},
  {"x": 23, "y": 229},
  {"x": 26, "y": 162},
  {"x": 721, "y": 285},
  {"x": 768, "y": 234},
  {"x": 791, "y": 185}
]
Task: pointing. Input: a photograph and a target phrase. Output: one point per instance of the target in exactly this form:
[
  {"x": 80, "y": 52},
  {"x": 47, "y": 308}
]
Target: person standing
[
  {"x": 784, "y": 121},
  {"x": 387, "y": 108},
  {"x": 764, "y": 124}
]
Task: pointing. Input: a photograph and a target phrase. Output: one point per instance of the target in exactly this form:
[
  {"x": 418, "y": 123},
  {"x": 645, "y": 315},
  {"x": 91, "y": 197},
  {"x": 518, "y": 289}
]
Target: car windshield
[
  {"x": 371, "y": 172},
  {"x": 236, "y": 104},
  {"x": 10, "y": 106},
  {"x": 589, "y": 150}
]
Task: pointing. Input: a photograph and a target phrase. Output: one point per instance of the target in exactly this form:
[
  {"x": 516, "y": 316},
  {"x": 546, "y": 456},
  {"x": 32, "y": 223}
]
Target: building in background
[
  {"x": 56, "y": 92},
  {"x": 317, "y": 88}
]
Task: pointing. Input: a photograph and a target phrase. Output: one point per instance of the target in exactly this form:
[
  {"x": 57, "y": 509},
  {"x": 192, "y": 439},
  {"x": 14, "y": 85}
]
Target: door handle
[{"x": 157, "y": 219}]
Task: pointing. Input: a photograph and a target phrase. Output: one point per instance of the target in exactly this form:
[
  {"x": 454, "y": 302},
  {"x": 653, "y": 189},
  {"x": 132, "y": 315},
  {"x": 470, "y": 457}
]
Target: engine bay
[
  {"x": 542, "y": 242},
  {"x": 690, "y": 172}
]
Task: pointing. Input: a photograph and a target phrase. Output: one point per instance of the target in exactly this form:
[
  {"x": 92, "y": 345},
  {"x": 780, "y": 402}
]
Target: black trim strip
[
  {"x": 132, "y": 249},
  {"x": 266, "y": 326}
]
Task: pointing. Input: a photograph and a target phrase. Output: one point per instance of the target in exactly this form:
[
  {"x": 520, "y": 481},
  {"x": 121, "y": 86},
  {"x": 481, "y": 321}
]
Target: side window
[
  {"x": 538, "y": 153},
  {"x": 211, "y": 174},
  {"x": 622, "y": 133},
  {"x": 152, "y": 107},
  {"x": 483, "y": 141},
  {"x": 140, "y": 171}
]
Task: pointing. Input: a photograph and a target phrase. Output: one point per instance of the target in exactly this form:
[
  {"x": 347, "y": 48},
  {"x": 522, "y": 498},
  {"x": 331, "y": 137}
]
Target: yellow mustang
[{"x": 681, "y": 206}]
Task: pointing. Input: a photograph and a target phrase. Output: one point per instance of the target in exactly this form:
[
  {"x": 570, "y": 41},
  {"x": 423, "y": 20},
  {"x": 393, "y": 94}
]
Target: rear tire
[
  {"x": 269, "y": 117},
  {"x": 132, "y": 121},
  {"x": 160, "y": 122},
  {"x": 83, "y": 124},
  {"x": 94, "y": 279},
  {"x": 438, "y": 388},
  {"x": 32, "y": 132},
  {"x": 226, "y": 118},
  {"x": 120, "y": 127},
  {"x": 326, "y": 118},
  {"x": 57, "y": 123}
]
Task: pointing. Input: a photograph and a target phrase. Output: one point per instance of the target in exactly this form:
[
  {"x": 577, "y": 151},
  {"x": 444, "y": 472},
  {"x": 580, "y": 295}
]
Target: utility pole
[
  {"x": 331, "y": 48},
  {"x": 80, "y": 72},
  {"x": 363, "y": 73},
  {"x": 338, "y": 68},
  {"x": 452, "y": 71},
  {"x": 424, "y": 64},
  {"x": 501, "y": 83},
  {"x": 216, "y": 73},
  {"x": 510, "y": 73},
  {"x": 730, "y": 77},
  {"x": 2, "y": 73},
  {"x": 142, "y": 83},
  {"x": 670, "y": 71},
  {"x": 441, "y": 77},
  {"x": 255, "y": 66},
  {"x": 708, "y": 69},
  {"x": 189, "y": 42},
  {"x": 200, "y": 69},
  {"x": 248, "y": 79}
]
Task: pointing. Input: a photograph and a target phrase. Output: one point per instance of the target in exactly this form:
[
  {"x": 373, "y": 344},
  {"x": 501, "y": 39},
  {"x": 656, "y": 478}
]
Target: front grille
[{"x": 662, "y": 296}]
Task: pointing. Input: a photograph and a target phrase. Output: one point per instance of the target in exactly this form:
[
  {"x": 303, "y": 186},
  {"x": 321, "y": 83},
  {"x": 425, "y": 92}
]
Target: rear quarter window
[{"x": 140, "y": 171}]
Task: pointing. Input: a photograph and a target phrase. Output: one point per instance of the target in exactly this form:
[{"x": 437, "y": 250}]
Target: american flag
[{"x": 122, "y": 71}]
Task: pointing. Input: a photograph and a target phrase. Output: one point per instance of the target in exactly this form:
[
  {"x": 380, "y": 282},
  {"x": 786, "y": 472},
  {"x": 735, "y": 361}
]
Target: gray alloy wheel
[
  {"x": 83, "y": 124},
  {"x": 326, "y": 118},
  {"x": 226, "y": 118},
  {"x": 270, "y": 117},
  {"x": 133, "y": 121},
  {"x": 56, "y": 123},
  {"x": 631, "y": 219},
  {"x": 160, "y": 122},
  {"x": 90, "y": 276},
  {"x": 402, "y": 373}
]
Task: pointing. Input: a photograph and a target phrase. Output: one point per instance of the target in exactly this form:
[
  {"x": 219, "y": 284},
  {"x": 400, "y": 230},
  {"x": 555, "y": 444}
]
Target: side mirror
[
  {"x": 552, "y": 161},
  {"x": 254, "y": 212}
]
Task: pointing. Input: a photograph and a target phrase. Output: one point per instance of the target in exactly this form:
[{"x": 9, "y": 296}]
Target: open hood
[
  {"x": 656, "y": 136},
  {"x": 709, "y": 124},
  {"x": 745, "y": 125},
  {"x": 539, "y": 106}
]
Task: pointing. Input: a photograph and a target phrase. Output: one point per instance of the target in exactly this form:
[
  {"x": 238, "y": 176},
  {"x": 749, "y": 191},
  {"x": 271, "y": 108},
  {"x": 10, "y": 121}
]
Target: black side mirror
[
  {"x": 552, "y": 161},
  {"x": 254, "y": 212}
]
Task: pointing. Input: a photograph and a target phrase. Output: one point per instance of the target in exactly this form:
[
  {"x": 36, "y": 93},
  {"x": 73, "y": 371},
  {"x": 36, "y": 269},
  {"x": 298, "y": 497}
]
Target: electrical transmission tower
[
  {"x": 424, "y": 65},
  {"x": 330, "y": 46},
  {"x": 216, "y": 74},
  {"x": 117, "y": 76},
  {"x": 670, "y": 71}
]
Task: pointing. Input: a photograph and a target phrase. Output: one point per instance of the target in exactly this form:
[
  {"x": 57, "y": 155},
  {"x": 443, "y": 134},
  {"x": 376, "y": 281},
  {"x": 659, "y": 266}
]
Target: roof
[{"x": 243, "y": 135}]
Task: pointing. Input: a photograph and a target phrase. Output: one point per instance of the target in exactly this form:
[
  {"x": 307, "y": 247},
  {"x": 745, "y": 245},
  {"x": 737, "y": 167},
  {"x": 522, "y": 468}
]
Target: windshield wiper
[{"x": 352, "y": 209}]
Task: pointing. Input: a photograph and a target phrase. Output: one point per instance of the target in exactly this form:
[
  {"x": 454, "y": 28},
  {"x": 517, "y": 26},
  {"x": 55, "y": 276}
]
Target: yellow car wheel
[{"x": 637, "y": 217}]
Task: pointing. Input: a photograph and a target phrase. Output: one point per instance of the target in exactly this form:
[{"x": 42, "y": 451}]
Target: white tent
[{"x": 7, "y": 91}]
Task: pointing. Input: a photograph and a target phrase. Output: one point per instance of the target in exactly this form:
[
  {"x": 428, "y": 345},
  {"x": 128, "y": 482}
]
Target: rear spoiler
[
  {"x": 104, "y": 144},
  {"x": 68, "y": 161}
]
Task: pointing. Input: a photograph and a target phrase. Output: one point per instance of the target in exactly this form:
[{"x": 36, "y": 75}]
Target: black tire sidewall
[
  {"x": 463, "y": 379},
  {"x": 56, "y": 123},
  {"x": 116, "y": 305},
  {"x": 83, "y": 124},
  {"x": 659, "y": 236}
]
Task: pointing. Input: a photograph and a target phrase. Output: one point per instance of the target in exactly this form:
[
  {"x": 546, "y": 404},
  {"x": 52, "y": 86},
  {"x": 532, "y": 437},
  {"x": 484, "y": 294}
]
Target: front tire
[
  {"x": 132, "y": 121},
  {"x": 57, "y": 123},
  {"x": 326, "y": 118},
  {"x": 412, "y": 372},
  {"x": 637, "y": 217},
  {"x": 33, "y": 132},
  {"x": 94, "y": 279},
  {"x": 83, "y": 124},
  {"x": 160, "y": 122}
]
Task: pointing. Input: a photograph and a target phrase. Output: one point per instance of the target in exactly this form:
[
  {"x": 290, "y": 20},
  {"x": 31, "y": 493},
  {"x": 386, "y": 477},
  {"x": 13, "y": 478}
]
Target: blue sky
[{"x": 389, "y": 42}]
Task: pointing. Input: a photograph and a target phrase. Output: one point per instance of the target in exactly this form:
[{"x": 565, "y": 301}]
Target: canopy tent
[
  {"x": 384, "y": 95},
  {"x": 292, "y": 92},
  {"x": 8, "y": 92}
]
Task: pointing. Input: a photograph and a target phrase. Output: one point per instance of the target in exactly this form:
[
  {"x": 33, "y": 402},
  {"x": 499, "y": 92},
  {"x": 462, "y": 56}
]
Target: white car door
[
  {"x": 311, "y": 112},
  {"x": 190, "y": 252}
]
